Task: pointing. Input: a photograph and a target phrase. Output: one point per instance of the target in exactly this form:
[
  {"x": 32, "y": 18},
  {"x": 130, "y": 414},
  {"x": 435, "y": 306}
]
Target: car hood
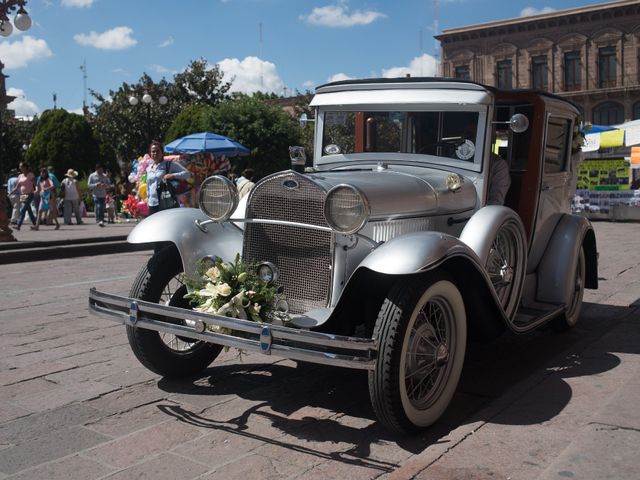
[{"x": 393, "y": 193}]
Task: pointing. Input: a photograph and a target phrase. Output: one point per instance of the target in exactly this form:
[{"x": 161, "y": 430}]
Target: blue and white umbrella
[{"x": 206, "y": 142}]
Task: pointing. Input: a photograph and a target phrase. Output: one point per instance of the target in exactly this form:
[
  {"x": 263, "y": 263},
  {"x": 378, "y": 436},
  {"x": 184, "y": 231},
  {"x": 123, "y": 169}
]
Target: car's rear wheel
[
  {"x": 570, "y": 317},
  {"x": 164, "y": 353},
  {"x": 422, "y": 333}
]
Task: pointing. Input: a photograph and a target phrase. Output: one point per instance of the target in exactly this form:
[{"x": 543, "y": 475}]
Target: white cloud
[
  {"x": 77, "y": 111},
  {"x": 169, "y": 41},
  {"x": 161, "y": 69},
  {"x": 338, "y": 16},
  {"x": 338, "y": 77},
  {"x": 20, "y": 53},
  {"x": 118, "y": 38},
  {"x": 528, "y": 11},
  {"x": 21, "y": 106},
  {"x": 248, "y": 74},
  {"x": 309, "y": 84},
  {"x": 422, "y": 66},
  {"x": 76, "y": 3}
]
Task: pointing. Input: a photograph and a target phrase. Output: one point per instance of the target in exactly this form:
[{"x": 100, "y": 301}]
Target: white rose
[
  {"x": 213, "y": 273},
  {"x": 224, "y": 290}
]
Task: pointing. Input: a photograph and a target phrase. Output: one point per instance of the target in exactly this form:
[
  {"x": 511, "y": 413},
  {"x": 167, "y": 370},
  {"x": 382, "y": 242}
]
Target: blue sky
[{"x": 305, "y": 43}]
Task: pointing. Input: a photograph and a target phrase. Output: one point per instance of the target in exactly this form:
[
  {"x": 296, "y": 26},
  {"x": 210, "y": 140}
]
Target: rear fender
[
  {"x": 194, "y": 242},
  {"x": 558, "y": 264}
]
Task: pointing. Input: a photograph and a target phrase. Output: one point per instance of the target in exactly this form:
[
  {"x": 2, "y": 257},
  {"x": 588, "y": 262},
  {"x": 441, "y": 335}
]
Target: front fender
[
  {"x": 178, "y": 226},
  {"x": 416, "y": 252},
  {"x": 411, "y": 255},
  {"x": 481, "y": 229}
]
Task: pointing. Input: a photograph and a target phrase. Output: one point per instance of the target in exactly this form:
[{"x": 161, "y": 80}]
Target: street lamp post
[
  {"x": 147, "y": 100},
  {"x": 22, "y": 21}
]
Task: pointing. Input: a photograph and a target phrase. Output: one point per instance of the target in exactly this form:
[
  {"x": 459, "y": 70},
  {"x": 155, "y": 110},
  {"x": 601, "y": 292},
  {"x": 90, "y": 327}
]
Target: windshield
[{"x": 442, "y": 134}]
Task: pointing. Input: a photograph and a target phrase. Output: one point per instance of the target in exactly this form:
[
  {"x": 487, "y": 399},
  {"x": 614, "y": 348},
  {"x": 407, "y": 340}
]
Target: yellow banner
[{"x": 612, "y": 138}]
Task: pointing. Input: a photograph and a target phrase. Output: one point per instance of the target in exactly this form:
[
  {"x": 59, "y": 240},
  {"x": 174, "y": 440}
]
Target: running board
[{"x": 528, "y": 318}]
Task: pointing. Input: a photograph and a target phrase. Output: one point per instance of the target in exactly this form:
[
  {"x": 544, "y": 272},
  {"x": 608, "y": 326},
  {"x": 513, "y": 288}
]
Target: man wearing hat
[{"x": 71, "y": 197}]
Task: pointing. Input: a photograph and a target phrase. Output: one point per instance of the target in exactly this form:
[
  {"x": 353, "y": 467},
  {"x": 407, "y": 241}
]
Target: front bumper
[{"x": 286, "y": 342}]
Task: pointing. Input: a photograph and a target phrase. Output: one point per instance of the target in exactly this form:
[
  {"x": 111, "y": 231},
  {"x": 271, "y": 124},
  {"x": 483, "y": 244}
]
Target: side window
[{"x": 556, "y": 147}]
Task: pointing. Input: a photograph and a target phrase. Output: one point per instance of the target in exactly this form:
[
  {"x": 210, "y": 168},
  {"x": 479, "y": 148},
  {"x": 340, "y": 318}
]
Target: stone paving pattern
[{"x": 75, "y": 403}]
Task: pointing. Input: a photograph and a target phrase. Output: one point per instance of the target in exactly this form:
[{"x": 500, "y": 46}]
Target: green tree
[
  {"x": 63, "y": 140},
  {"x": 264, "y": 128},
  {"x": 192, "y": 119},
  {"x": 16, "y": 133},
  {"x": 128, "y": 129},
  {"x": 200, "y": 83}
]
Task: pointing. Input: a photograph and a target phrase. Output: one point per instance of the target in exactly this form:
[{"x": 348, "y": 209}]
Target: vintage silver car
[{"x": 386, "y": 250}]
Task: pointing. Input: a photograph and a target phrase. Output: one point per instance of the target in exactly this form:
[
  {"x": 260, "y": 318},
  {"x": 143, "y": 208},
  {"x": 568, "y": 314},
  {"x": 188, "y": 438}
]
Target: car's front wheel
[
  {"x": 163, "y": 353},
  {"x": 422, "y": 335}
]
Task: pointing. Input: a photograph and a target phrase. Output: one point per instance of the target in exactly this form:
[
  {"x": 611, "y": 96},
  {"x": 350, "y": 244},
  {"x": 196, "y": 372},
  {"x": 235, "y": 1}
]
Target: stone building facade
[{"x": 589, "y": 55}]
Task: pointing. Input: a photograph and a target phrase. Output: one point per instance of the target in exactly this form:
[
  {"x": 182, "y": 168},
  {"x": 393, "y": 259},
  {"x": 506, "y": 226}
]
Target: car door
[{"x": 555, "y": 185}]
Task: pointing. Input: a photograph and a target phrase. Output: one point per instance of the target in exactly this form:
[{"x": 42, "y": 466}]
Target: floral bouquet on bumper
[{"x": 234, "y": 290}]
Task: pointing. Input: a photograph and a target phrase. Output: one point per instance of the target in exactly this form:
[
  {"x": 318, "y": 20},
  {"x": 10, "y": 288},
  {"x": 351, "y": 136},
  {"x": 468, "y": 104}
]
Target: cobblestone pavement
[{"x": 75, "y": 403}]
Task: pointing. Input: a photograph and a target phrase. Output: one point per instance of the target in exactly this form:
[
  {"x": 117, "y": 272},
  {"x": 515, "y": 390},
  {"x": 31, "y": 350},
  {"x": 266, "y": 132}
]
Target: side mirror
[
  {"x": 304, "y": 119},
  {"x": 519, "y": 123}
]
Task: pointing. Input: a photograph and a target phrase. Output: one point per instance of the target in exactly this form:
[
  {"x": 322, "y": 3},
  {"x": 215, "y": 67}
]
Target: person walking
[
  {"x": 25, "y": 187},
  {"x": 14, "y": 198},
  {"x": 161, "y": 171},
  {"x": 71, "y": 197},
  {"x": 46, "y": 189},
  {"x": 98, "y": 184}
]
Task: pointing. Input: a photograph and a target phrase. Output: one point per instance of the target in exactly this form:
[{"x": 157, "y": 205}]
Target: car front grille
[{"x": 302, "y": 256}]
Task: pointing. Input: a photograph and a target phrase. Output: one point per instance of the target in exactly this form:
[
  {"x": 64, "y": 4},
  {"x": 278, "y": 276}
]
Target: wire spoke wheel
[
  {"x": 427, "y": 354},
  {"x": 506, "y": 264},
  {"x": 160, "y": 281},
  {"x": 422, "y": 332}
]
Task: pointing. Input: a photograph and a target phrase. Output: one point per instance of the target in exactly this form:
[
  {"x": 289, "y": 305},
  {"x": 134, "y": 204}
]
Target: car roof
[{"x": 430, "y": 83}]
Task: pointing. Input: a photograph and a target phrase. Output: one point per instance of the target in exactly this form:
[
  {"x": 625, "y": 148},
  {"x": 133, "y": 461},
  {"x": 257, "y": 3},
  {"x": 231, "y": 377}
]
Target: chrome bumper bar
[{"x": 286, "y": 342}]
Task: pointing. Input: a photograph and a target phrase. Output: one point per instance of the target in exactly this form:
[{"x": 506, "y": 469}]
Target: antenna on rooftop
[{"x": 83, "y": 68}]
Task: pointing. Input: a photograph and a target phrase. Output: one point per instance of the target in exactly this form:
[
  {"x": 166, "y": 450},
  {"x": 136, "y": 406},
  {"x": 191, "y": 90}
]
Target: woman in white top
[
  {"x": 71, "y": 197},
  {"x": 161, "y": 171}
]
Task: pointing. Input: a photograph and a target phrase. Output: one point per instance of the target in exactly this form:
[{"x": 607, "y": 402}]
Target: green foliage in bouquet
[{"x": 234, "y": 290}]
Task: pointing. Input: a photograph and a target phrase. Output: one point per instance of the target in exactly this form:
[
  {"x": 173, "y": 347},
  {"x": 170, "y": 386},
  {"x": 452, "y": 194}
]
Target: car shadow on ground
[{"x": 311, "y": 403}]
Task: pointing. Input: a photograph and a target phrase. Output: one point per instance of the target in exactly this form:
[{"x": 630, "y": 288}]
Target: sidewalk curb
[{"x": 56, "y": 250}]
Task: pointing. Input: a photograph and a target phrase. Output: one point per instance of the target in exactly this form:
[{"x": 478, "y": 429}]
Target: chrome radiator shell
[{"x": 303, "y": 256}]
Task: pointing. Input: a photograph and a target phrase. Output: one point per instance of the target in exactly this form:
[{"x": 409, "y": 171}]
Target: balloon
[{"x": 142, "y": 191}]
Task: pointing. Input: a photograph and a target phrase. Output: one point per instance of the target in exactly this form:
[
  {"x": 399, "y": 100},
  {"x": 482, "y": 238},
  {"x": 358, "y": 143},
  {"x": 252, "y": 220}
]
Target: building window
[
  {"x": 607, "y": 67},
  {"x": 608, "y": 113},
  {"x": 572, "y": 72},
  {"x": 504, "y": 74},
  {"x": 463, "y": 72},
  {"x": 636, "y": 111},
  {"x": 539, "y": 72}
]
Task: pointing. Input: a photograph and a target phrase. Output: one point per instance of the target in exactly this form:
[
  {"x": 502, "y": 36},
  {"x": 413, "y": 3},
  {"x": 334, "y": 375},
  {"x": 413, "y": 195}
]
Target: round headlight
[
  {"x": 346, "y": 209},
  {"x": 218, "y": 198}
]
